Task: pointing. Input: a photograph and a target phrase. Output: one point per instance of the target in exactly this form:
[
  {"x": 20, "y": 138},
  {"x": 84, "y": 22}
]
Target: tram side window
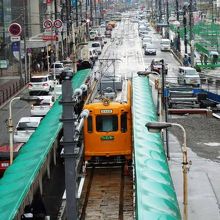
[
  {"x": 89, "y": 123},
  {"x": 124, "y": 122},
  {"x": 106, "y": 123}
]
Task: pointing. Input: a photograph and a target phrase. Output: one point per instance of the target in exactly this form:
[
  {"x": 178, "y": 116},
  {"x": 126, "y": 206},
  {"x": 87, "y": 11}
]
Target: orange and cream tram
[{"x": 107, "y": 130}]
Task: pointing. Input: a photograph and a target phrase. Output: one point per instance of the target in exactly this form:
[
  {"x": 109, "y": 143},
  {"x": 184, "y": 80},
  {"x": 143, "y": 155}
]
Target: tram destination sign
[{"x": 107, "y": 138}]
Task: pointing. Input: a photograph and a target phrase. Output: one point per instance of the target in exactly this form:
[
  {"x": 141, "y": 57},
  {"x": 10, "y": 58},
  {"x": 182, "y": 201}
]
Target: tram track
[{"x": 107, "y": 194}]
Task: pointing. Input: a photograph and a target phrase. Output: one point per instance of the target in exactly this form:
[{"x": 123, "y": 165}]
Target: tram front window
[{"x": 106, "y": 123}]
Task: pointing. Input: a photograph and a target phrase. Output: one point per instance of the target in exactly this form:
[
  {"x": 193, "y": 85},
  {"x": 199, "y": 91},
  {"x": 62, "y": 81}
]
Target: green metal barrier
[
  {"x": 155, "y": 194},
  {"x": 18, "y": 178}
]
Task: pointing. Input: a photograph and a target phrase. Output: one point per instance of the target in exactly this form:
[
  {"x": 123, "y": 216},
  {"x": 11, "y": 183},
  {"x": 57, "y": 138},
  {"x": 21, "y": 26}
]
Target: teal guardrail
[
  {"x": 18, "y": 178},
  {"x": 155, "y": 194}
]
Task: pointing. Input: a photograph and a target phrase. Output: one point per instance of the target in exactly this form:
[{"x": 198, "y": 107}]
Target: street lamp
[
  {"x": 30, "y": 99},
  {"x": 157, "y": 127}
]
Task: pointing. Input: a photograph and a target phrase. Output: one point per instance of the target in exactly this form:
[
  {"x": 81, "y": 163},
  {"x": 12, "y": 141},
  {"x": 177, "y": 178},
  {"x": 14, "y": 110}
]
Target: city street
[{"x": 123, "y": 55}]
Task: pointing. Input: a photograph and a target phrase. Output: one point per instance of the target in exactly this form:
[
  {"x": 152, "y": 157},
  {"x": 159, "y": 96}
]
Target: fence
[{"x": 8, "y": 90}]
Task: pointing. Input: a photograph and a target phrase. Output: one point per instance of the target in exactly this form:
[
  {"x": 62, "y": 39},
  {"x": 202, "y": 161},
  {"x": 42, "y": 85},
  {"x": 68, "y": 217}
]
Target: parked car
[
  {"x": 25, "y": 128},
  {"x": 56, "y": 68},
  {"x": 150, "y": 49},
  {"x": 188, "y": 76},
  {"x": 41, "y": 107},
  {"x": 5, "y": 155},
  {"x": 156, "y": 66},
  {"x": 41, "y": 83}
]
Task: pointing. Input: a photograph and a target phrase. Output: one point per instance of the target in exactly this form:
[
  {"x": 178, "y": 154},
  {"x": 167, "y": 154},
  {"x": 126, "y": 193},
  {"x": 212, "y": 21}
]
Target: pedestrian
[
  {"x": 39, "y": 209},
  {"x": 28, "y": 213},
  {"x": 205, "y": 59},
  {"x": 41, "y": 65},
  {"x": 201, "y": 58},
  {"x": 215, "y": 59},
  {"x": 185, "y": 60},
  {"x": 189, "y": 59}
]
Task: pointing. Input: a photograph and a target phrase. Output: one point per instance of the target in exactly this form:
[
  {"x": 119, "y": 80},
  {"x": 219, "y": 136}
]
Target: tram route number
[
  {"x": 106, "y": 111},
  {"x": 107, "y": 138}
]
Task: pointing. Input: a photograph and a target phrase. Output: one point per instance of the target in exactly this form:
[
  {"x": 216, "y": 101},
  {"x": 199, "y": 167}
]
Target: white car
[
  {"x": 188, "y": 76},
  {"x": 41, "y": 83},
  {"x": 25, "y": 128},
  {"x": 146, "y": 40},
  {"x": 43, "y": 106},
  {"x": 56, "y": 68},
  {"x": 97, "y": 45},
  {"x": 150, "y": 49}
]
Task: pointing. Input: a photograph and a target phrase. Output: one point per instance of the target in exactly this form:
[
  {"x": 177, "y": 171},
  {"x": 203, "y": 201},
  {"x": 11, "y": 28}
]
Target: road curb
[{"x": 176, "y": 57}]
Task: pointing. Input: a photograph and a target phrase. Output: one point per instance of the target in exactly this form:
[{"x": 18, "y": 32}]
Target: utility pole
[
  {"x": 168, "y": 34},
  {"x": 95, "y": 12},
  {"x": 191, "y": 33},
  {"x": 160, "y": 11},
  {"x": 26, "y": 78},
  {"x": 177, "y": 10},
  {"x": 68, "y": 119},
  {"x": 184, "y": 24},
  {"x": 91, "y": 12}
]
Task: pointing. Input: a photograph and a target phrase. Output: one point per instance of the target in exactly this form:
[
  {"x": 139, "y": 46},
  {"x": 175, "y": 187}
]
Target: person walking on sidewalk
[
  {"x": 205, "y": 59},
  {"x": 185, "y": 60},
  {"x": 201, "y": 58}
]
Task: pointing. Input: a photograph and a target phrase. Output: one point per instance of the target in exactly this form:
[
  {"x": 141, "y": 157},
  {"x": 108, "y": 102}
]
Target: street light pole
[
  {"x": 157, "y": 127},
  {"x": 10, "y": 121},
  {"x": 10, "y": 129}
]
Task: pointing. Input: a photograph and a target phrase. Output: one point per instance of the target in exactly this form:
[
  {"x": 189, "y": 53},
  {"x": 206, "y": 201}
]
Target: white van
[
  {"x": 165, "y": 44},
  {"x": 188, "y": 76},
  {"x": 97, "y": 45}
]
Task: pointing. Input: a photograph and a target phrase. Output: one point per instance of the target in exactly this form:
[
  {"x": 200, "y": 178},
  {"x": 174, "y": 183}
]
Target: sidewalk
[
  {"x": 9, "y": 83},
  {"x": 203, "y": 183}
]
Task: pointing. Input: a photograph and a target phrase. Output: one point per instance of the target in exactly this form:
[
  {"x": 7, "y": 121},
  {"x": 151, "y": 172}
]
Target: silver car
[
  {"x": 25, "y": 128},
  {"x": 188, "y": 76},
  {"x": 56, "y": 68},
  {"x": 43, "y": 106}
]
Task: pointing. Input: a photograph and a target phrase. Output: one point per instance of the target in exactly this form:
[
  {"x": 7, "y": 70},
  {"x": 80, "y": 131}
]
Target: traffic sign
[
  {"x": 15, "y": 38},
  {"x": 48, "y": 24},
  {"x": 15, "y": 29},
  {"x": 49, "y": 37},
  {"x": 58, "y": 23}
]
